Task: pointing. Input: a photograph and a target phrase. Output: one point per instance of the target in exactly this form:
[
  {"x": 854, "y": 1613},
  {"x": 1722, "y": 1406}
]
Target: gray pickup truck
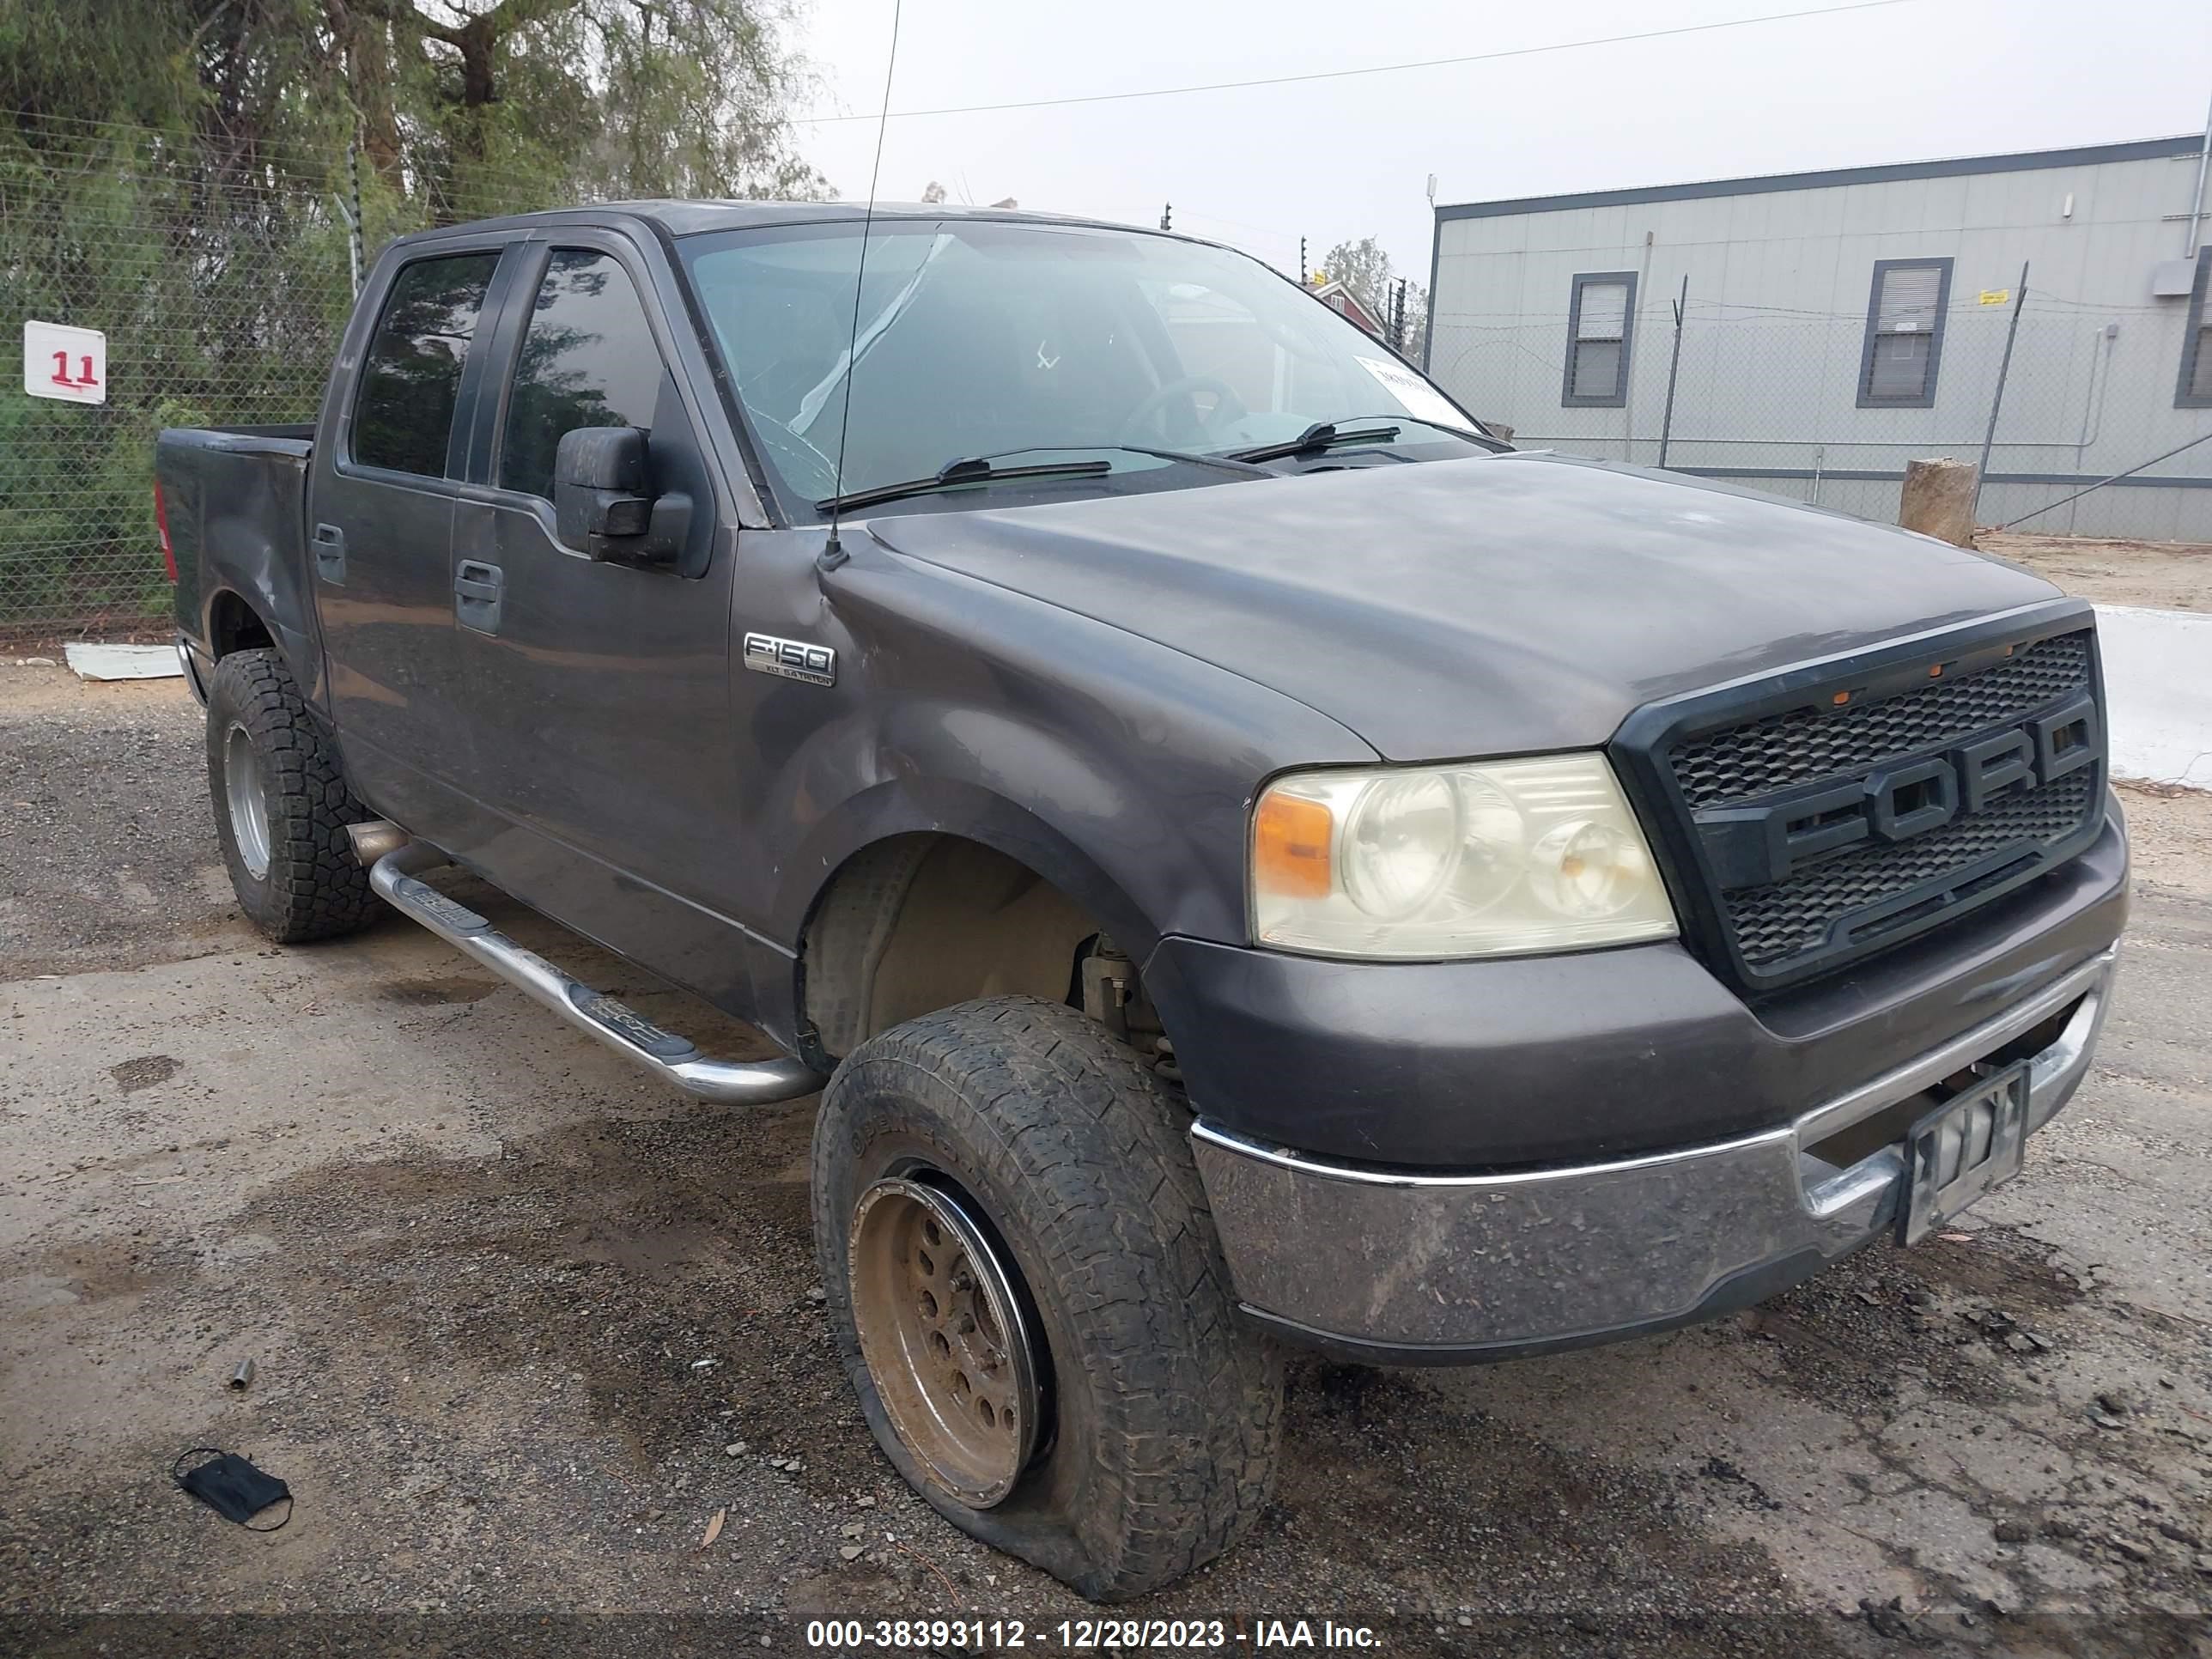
[{"x": 1246, "y": 858}]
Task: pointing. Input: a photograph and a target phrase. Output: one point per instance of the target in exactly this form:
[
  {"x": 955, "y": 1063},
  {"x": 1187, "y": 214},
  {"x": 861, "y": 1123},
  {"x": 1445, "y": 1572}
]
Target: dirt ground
[
  {"x": 2163, "y": 576},
  {"x": 525, "y": 1322}
]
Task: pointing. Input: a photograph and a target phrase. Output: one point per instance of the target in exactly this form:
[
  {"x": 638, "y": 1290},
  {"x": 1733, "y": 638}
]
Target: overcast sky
[{"x": 1336, "y": 159}]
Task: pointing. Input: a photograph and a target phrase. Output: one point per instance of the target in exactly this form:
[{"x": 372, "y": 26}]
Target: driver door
[{"x": 599, "y": 691}]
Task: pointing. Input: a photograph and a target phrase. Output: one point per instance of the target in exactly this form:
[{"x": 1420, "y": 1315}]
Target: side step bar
[{"x": 673, "y": 1057}]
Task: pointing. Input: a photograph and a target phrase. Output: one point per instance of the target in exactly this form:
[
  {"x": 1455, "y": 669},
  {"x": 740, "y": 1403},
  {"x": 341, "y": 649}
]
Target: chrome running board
[{"x": 673, "y": 1057}]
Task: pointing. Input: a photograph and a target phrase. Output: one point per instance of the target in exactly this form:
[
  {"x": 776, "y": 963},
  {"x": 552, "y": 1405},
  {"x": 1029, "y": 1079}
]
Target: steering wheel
[{"x": 1134, "y": 429}]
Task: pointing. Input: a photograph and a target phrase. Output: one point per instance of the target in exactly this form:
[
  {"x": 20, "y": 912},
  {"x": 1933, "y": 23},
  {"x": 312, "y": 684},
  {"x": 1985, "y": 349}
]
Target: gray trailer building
[{"x": 1818, "y": 330}]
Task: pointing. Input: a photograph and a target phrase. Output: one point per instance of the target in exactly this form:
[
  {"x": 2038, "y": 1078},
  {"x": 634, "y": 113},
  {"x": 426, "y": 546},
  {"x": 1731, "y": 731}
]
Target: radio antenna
[{"x": 833, "y": 550}]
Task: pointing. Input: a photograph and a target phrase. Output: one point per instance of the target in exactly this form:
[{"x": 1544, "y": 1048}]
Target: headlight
[{"x": 1503, "y": 858}]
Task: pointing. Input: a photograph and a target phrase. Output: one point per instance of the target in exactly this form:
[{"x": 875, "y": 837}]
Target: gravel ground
[
  {"x": 525, "y": 1323},
  {"x": 105, "y": 845},
  {"x": 2164, "y": 575}
]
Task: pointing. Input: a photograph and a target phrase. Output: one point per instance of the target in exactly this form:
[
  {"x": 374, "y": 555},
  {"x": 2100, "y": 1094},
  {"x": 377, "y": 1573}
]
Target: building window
[
  {"x": 2194, "y": 391},
  {"x": 1599, "y": 314},
  {"x": 1903, "y": 333}
]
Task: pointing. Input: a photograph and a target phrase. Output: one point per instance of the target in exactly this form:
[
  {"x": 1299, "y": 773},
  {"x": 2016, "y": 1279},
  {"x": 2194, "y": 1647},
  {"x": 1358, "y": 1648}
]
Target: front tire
[
  {"x": 1025, "y": 1283},
  {"x": 281, "y": 806}
]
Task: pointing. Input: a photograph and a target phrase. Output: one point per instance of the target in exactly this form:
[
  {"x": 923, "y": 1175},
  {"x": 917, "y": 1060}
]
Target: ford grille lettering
[{"x": 1756, "y": 845}]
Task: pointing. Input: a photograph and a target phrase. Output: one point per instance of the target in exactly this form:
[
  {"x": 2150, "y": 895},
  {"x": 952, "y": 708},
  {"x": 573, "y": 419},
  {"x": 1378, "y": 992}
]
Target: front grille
[
  {"x": 1744, "y": 769},
  {"x": 1805, "y": 746},
  {"x": 1772, "y": 924}
]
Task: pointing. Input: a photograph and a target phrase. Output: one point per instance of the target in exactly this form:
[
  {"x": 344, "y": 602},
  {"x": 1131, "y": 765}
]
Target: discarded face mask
[{"x": 232, "y": 1487}]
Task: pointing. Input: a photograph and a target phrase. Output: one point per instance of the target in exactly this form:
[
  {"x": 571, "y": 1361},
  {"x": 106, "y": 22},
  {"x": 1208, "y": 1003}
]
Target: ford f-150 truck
[{"x": 1245, "y": 858}]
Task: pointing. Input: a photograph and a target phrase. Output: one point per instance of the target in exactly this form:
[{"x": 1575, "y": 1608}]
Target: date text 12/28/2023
[{"x": 1086, "y": 1635}]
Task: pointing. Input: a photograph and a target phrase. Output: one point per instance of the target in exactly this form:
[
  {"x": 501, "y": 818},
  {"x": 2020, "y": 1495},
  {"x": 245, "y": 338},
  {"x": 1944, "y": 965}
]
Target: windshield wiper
[
  {"x": 1322, "y": 434},
  {"x": 1226, "y": 462},
  {"x": 972, "y": 469}
]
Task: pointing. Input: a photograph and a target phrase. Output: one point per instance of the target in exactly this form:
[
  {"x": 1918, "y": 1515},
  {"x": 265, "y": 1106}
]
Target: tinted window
[
  {"x": 587, "y": 360},
  {"x": 413, "y": 373}
]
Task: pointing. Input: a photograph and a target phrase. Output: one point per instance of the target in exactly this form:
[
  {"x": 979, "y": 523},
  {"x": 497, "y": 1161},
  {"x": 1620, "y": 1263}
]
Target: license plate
[{"x": 1972, "y": 1142}]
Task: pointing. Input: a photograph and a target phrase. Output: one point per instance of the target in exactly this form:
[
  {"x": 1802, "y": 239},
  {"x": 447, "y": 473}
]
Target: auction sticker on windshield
[{"x": 1415, "y": 395}]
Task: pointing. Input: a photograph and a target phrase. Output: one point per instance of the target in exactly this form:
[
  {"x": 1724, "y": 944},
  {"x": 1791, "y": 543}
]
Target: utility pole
[
  {"x": 1997, "y": 397},
  {"x": 2196, "y": 202},
  {"x": 1167, "y": 216},
  {"x": 1673, "y": 369}
]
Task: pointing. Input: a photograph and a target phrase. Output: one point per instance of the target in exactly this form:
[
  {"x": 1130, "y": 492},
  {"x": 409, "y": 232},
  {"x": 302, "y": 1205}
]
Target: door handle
[
  {"x": 477, "y": 589},
  {"x": 330, "y": 554}
]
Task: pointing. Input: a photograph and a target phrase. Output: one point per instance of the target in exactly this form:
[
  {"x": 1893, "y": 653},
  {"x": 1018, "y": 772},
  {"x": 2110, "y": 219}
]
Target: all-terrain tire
[
  {"x": 311, "y": 886},
  {"x": 1164, "y": 1413}
]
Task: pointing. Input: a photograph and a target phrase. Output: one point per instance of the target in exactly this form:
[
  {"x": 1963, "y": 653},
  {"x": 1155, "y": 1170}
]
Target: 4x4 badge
[{"x": 791, "y": 659}]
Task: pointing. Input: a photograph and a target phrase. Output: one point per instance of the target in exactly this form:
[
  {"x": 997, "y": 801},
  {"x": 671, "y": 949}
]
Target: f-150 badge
[{"x": 791, "y": 659}]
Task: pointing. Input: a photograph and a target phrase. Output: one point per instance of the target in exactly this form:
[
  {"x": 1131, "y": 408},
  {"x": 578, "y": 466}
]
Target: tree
[
  {"x": 624, "y": 97},
  {"x": 1365, "y": 269},
  {"x": 170, "y": 172},
  {"x": 460, "y": 106}
]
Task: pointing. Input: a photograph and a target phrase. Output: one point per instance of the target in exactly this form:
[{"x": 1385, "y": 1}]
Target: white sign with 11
[{"x": 64, "y": 362}]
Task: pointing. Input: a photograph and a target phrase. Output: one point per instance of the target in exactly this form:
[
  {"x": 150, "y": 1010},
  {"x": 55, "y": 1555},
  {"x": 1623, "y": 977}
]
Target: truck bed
[{"x": 233, "y": 502}]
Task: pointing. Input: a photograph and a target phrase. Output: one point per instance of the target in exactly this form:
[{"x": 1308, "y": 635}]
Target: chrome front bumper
[{"x": 1445, "y": 1269}]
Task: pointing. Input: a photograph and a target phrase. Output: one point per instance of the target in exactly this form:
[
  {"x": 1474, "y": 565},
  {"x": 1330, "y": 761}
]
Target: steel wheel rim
[
  {"x": 942, "y": 1334},
  {"x": 246, "y": 791}
]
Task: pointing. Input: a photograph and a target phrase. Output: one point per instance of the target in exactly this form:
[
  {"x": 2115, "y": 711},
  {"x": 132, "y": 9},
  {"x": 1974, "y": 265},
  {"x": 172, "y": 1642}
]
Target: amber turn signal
[{"x": 1290, "y": 846}]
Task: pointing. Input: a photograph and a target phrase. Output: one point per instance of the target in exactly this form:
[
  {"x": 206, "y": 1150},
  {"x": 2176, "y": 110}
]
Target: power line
[{"x": 1347, "y": 73}]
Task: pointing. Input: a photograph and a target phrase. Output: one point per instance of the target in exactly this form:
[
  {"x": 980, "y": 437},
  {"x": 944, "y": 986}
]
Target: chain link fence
[
  {"x": 1772, "y": 398},
  {"x": 222, "y": 280}
]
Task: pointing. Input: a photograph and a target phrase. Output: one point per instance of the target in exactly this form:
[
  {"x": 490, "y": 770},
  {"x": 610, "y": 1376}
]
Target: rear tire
[
  {"x": 281, "y": 806},
  {"x": 1157, "y": 1414}
]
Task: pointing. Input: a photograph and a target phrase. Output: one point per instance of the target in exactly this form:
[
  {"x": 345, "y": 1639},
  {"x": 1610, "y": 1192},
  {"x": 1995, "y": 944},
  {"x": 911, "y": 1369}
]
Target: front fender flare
[{"x": 954, "y": 807}]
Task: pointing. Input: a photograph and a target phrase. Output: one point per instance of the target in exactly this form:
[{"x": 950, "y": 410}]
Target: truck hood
[{"x": 1491, "y": 605}]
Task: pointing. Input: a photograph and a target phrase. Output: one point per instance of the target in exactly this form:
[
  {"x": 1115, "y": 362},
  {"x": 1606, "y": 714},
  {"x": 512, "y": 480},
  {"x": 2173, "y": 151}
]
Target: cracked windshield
[{"x": 1033, "y": 343}]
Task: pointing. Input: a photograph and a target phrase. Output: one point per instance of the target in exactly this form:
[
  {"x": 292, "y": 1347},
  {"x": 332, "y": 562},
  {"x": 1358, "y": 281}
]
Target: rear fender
[{"x": 236, "y": 511}]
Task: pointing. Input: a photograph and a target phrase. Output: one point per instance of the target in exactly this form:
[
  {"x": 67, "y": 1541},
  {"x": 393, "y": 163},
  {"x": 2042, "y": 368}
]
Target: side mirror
[
  {"x": 601, "y": 506},
  {"x": 604, "y": 503}
]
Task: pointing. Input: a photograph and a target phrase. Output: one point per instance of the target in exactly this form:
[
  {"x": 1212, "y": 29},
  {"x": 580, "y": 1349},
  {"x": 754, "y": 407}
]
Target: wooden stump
[{"x": 1938, "y": 499}]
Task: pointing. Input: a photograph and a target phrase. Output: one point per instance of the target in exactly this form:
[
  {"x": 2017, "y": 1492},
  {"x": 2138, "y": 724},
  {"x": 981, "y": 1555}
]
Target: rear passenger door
[
  {"x": 380, "y": 509},
  {"x": 598, "y": 691}
]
